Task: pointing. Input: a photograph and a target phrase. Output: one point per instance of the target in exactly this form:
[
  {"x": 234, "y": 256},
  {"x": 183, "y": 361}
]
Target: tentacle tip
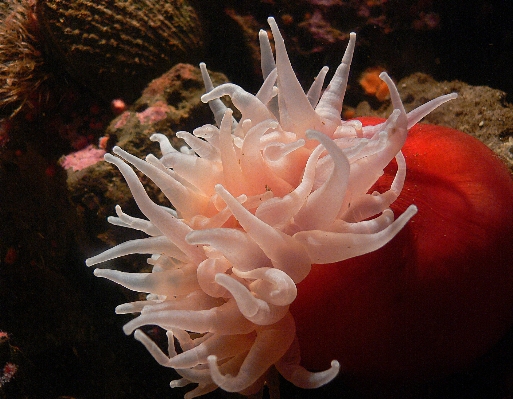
[
  {"x": 212, "y": 363},
  {"x": 220, "y": 278},
  {"x": 388, "y": 212},
  {"x": 190, "y": 240},
  {"x": 127, "y": 330},
  {"x": 138, "y": 334},
  {"x": 174, "y": 384},
  {"x": 90, "y": 262},
  {"x": 312, "y": 134},
  {"x": 219, "y": 189},
  {"x": 383, "y": 75},
  {"x": 120, "y": 309}
]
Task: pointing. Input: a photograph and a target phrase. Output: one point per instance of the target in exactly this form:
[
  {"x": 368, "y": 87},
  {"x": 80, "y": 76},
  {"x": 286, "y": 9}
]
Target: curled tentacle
[
  {"x": 249, "y": 105},
  {"x": 165, "y": 144},
  {"x": 253, "y": 163},
  {"x": 254, "y": 309},
  {"x": 272, "y": 285},
  {"x": 202, "y": 148},
  {"x": 216, "y": 105},
  {"x": 372, "y": 204},
  {"x": 278, "y": 211},
  {"x": 365, "y": 226},
  {"x": 273, "y": 152},
  {"x": 288, "y": 366},
  {"x": 206, "y": 274},
  {"x": 394, "y": 93},
  {"x": 273, "y": 341}
]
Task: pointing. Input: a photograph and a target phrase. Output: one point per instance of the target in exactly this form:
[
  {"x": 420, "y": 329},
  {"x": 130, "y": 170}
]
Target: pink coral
[{"x": 83, "y": 158}]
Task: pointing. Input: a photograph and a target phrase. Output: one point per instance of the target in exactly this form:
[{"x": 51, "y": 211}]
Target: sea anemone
[{"x": 256, "y": 203}]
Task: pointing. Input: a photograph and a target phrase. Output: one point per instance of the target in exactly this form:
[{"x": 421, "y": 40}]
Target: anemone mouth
[{"x": 256, "y": 202}]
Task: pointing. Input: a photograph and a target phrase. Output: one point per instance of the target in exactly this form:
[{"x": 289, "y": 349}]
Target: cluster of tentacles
[{"x": 256, "y": 203}]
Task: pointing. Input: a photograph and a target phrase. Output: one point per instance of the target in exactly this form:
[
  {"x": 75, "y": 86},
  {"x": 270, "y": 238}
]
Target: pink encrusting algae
[{"x": 83, "y": 158}]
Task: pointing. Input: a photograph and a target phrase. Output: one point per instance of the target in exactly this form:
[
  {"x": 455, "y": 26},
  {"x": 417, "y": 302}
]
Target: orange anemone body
[{"x": 440, "y": 294}]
